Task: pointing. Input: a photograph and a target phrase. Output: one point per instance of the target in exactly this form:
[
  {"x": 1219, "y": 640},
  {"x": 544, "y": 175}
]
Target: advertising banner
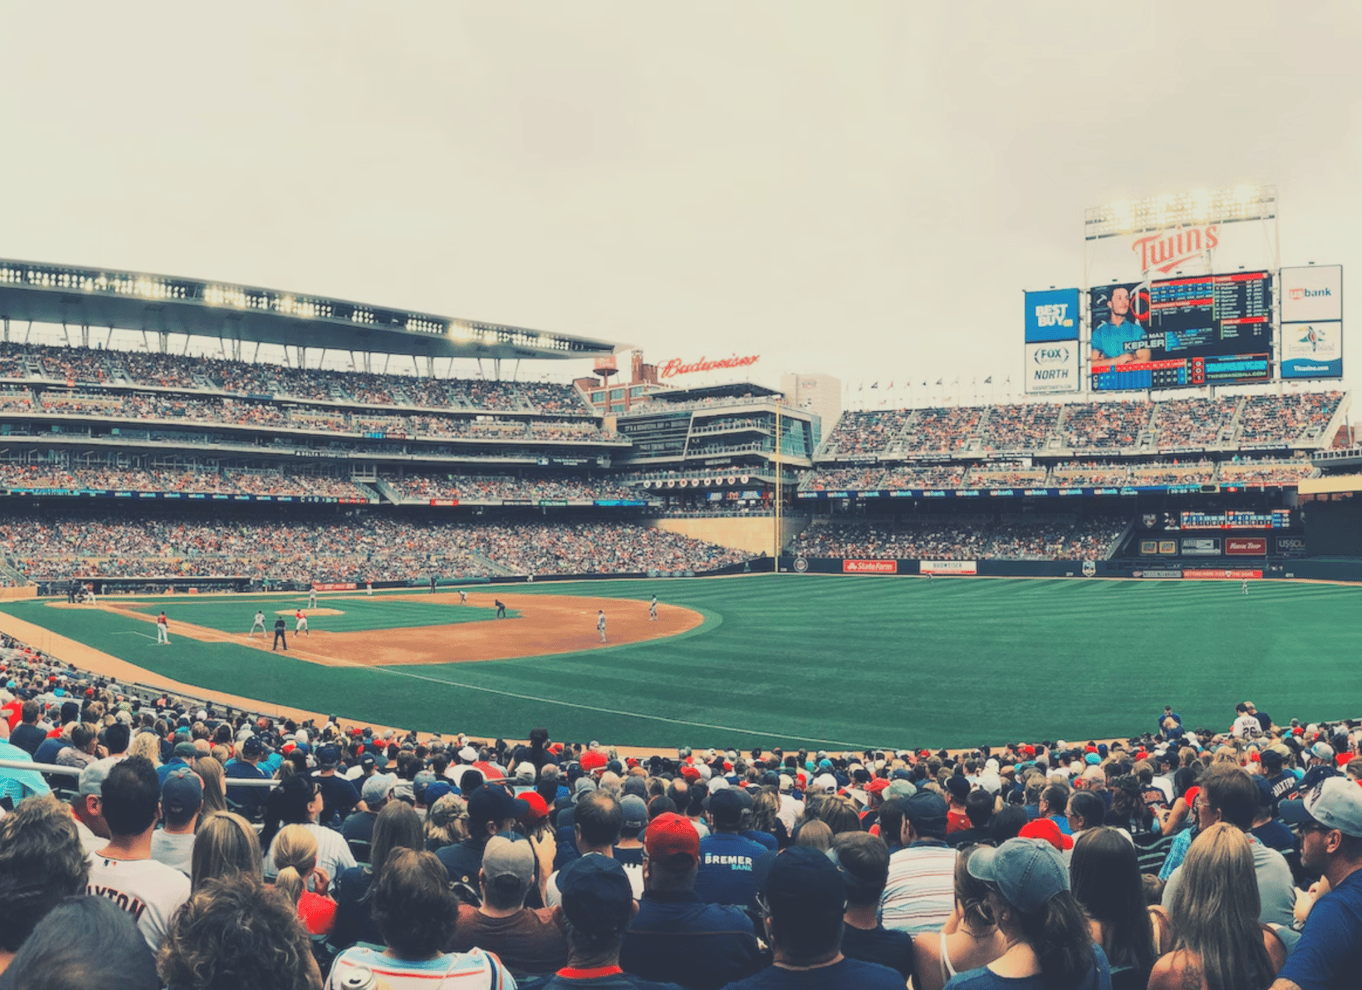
[
  {"x": 1246, "y": 546},
  {"x": 1312, "y": 293},
  {"x": 1051, "y": 315},
  {"x": 1312, "y": 350},
  {"x": 870, "y": 567},
  {"x": 1221, "y": 575},
  {"x": 1052, "y": 367},
  {"x": 1290, "y": 546},
  {"x": 335, "y": 587},
  {"x": 948, "y": 567},
  {"x": 1200, "y": 546}
]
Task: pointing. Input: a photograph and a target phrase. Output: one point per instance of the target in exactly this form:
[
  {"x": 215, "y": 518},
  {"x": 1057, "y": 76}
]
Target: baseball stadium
[{"x": 611, "y": 497}]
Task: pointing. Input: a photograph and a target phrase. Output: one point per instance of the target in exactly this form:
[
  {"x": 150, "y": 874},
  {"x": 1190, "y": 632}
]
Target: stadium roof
[
  {"x": 731, "y": 390},
  {"x": 100, "y": 297}
]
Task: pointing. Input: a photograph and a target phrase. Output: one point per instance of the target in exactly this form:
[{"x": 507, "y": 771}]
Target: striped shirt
[
  {"x": 472, "y": 970},
  {"x": 920, "y": 893}
]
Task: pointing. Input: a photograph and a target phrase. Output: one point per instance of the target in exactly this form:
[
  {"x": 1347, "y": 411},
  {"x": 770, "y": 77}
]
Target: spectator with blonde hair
[
  {"x": 1219, "y": 944},
  {"x": 214, "y": 784},
  {"x": 295, "y": 856},
  {"x": 224, "y": 844}
]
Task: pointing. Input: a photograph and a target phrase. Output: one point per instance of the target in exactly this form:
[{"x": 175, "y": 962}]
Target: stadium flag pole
[{"x": 775, "y": 537}]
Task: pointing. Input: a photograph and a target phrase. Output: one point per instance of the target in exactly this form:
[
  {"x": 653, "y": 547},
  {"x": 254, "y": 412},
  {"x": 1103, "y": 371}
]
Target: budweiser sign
[
  {"x": 1167, "y": 249},
  {"x": 677, "y": 367}
]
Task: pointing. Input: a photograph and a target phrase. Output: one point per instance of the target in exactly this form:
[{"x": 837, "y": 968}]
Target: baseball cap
[
  {"x": 1322, "y": 751},
  {"x": 803, "y": 878},
  {"x": 1027, "y": 872},
  {"x": 593, "y": 760},
  {"x": 504, "y": 858},
  {"x": 899, "y": 788},
  {"x": 670, "y": 837},
  {"x": 927, "y": 812},
  {"x": 1336, "y": 802},
  {"x": 635, "y": 811},
  {"x": 377, "y": 787},
  {"x": 725, "y": 806},
  {"x": 596, "y": 895},
  {"x": 491, "y": 803},
  {"x": 366, "y": 761},
  {"x": 328, "y": 756},
  {"x": 253, "y": 747},
  {"x": 182, "y": 791},
  {"x": 93, "y": 776},
  {"x": 1045, "y": 828},
  {"x": 526, "y": 772},
  {"x": 437, "y": 790},
  {"x": 538, "y": 807}
]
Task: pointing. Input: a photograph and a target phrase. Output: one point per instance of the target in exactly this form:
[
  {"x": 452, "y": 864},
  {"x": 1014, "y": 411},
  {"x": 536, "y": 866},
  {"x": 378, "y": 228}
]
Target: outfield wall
[{"x": 1247, "y": 568}]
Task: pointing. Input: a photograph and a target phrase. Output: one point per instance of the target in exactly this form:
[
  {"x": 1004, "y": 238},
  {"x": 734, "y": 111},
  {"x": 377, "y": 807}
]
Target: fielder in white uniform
[
  {"x": 652, "y": 609},
  {"x": 312, "y": 598},
  {"x": 259, "y": 623},
  {"x": 600, "y": 623}
]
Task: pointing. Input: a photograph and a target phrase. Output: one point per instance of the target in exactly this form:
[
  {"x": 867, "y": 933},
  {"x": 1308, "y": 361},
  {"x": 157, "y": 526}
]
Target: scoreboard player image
[{"x": 1118, "y": 336}]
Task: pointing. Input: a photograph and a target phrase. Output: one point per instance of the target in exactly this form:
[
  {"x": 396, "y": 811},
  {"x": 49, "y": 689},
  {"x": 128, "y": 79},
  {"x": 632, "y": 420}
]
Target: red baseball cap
[
  {"x": 1045, "y": 828},
  {"x": 539, "y": 809},
  {"x": 669, "y": 837},
  {"x": 593, "y": 759}
]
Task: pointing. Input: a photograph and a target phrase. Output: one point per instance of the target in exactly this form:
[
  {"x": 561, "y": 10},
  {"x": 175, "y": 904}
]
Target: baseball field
[{"x": 827, "y": 661}]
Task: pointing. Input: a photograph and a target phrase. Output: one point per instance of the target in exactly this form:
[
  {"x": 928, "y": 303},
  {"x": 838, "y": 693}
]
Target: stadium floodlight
[{"x": 1200, "y": 206}]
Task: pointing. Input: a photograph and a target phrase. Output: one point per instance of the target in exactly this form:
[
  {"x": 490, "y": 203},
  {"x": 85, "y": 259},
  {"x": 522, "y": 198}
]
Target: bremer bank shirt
[{"x": 147, "y": 890}]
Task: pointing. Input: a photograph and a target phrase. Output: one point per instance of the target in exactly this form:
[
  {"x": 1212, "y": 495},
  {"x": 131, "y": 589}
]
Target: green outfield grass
[{"x": 829, "y": 661}]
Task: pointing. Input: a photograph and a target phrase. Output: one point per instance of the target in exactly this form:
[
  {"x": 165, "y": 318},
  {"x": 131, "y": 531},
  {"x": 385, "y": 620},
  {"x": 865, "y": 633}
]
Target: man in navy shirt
[
  {"x": 727, "y": 859},
  {"x": 802, "y": 900},
  {"x": 676, "y": 936},
  {"x": 1329, "y": 953}
]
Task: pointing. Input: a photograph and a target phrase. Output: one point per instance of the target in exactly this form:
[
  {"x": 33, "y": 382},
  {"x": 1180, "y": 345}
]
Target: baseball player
[
  {"x": 312, "y": 597},
  {"x": 463, "y": 597},
  {"x": 279, "y": 628},
  {"x": 1243, "y": 587},
  {"x": 300, "y": 624},
  {"x": 652, "y": 609},
  {"x": 600, "y": 623},
  {"x": 259, "y": 623},
  {"x": 162, "y": 630},
  {"x": 501, "y": 609},
  {"x": 369, "y": 588}
]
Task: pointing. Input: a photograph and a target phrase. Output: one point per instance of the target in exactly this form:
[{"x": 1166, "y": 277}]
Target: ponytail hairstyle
[
  {"x": 295, "y": 856},
  {"x": 971, "y": 894}
]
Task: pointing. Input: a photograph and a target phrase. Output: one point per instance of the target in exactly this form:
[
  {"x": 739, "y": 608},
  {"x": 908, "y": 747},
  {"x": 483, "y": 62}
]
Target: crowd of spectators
[
  {"x": 474, "y": 488},
  {"x": 1265, "y": 471},
  {"x": 924, "y": 476},
  {"x": 1195, "y": 422},
  {"x": 864, "y": 432},
  {"x": 1105, "y": 424},
  {"x": 79, "y": 543},
  {"x": 1297, "y": 417},
  {"x": 1082, "y": 474},
  {"x": 1170, "y": 858},
  {"x": 966, "y": 537},
  {"x": 1174, "y": 473},
  {"x": 1020, "y": 427},
  {"x": 941, "y": 431},
  {"x": 43, "y": 476},
  {"x": 99, "y": 367}
]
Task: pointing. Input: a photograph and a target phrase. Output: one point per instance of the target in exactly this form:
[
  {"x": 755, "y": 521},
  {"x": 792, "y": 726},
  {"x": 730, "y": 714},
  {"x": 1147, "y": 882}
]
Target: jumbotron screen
[{"x": 1182, "y": 332}]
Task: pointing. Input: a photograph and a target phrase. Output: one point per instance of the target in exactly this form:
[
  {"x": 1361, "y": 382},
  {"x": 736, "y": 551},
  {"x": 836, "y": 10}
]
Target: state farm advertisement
[
  {"x": 947, "y": 567},
  {"x": 1222, "y": 575},
  {"x": 870, "y": 567},
  {"x": 1246, "y": 546}
]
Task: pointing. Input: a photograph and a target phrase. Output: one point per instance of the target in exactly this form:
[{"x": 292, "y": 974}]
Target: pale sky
[{"x": 860, "y": 188}]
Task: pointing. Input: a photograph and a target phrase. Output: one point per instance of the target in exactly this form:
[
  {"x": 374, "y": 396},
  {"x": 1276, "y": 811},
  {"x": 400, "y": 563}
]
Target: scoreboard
[
  {"x": 1192, "y": 331},
  {"x": 1237, "y": 519}
]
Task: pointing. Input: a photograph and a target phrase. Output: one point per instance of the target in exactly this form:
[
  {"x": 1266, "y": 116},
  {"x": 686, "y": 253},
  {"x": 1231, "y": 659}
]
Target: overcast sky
[{"x": 860, "y": 188}]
